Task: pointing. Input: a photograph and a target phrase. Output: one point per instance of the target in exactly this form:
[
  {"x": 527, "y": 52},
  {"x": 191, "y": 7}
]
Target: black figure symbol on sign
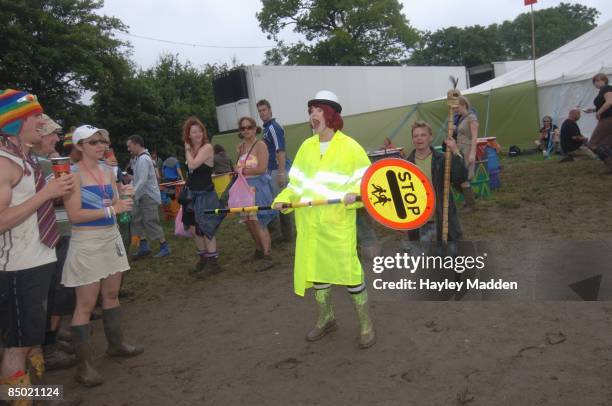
[{"x": 379, "y": 194}]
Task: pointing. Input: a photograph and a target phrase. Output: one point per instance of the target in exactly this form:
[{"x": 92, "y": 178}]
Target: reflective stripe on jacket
[{"x": 326, "y": 244}]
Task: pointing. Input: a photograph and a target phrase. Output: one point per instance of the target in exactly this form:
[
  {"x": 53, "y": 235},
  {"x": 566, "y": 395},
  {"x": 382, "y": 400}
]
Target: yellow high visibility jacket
[{"x": 326, "y": 243}]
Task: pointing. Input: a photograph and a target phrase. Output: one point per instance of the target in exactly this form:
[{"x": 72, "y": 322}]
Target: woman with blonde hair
[
  {"x": 467, "y": 135},
  {"x": 253, "y": 164},
  {"x": 96, "y": 256}
]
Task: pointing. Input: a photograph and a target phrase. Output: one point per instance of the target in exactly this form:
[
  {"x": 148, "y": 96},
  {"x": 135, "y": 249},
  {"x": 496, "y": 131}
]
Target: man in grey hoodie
[{"x": 147, "y": 199}]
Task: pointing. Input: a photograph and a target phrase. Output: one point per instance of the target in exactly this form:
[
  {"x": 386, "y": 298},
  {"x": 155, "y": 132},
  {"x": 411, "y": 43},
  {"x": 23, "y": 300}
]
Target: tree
[
  {"x": 554, "y": 27},
  {"x": 467, "y": 46},
  {"x": 338, "y": 32},
  {"x": 57, "y": 49},
  {"x": 477, "y": 45},
  {"x": 155, "y": 102}
]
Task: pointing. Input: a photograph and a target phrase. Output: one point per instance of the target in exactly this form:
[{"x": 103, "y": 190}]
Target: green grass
[
  {"x": 538, "y": 199},
  {"x": 149, "y": 276}
]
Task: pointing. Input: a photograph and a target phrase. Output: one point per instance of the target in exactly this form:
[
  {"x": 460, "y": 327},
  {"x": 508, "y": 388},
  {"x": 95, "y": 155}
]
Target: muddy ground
[{"x": 238, "y": 337}]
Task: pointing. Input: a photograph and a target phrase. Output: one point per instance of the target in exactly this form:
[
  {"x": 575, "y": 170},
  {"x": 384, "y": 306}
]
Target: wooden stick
[
  {"x": 452, "y": 99},
  {"x": 170, "y": 184}
]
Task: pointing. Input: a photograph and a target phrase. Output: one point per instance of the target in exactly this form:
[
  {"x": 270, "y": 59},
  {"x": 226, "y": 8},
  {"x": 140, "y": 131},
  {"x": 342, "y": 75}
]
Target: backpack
[{"x": 514, "y": 151}]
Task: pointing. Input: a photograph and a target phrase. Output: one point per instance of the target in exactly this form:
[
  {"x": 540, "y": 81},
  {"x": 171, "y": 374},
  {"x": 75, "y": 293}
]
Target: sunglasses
[
  {"x": 250, "y": 127},
  {"x": 96, "y": 142}
]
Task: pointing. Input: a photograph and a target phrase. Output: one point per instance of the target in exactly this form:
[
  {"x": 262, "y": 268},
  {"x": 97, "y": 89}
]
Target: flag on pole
[{"x": 530, "y": 2}]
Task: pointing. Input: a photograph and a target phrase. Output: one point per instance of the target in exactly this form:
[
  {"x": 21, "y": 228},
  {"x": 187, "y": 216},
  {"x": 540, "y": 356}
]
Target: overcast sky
[{"x": 223, "y": 24}]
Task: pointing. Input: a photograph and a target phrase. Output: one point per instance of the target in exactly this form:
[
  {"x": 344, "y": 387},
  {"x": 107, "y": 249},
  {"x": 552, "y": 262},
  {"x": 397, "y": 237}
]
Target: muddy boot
[
  {"x": 20, "y": 381},
  {"x": 64, "y": 334},
  {"x": 367, "y": 336},
  {"x": 264, "y": 264},
  {"x": 200, "y": 267},
  {"x": 117, "y": 347},
  {"x": 64, "y": 346},
  {"x": 258, "y": 254},
  {"x": 57, "y": 359},
  {"x": 36, "y": 370},
  {"x": 213, "y": 265},
  {"x": 326, "y": 323},
  {"x": 86, "y": 375},
  {"x": 470, "y": 200}
]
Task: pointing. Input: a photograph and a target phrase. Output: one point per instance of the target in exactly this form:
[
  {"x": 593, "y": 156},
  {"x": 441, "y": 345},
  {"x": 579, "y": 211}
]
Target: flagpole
[{"x": 533, "y": 50}]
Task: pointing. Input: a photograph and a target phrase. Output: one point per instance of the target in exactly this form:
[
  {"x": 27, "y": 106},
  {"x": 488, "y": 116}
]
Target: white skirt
[{"x": 94, "y": 255}]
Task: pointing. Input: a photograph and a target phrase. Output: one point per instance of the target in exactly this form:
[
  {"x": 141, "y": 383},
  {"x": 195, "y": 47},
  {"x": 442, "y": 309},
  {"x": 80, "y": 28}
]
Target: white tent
[{"x": 563, "y": 77}]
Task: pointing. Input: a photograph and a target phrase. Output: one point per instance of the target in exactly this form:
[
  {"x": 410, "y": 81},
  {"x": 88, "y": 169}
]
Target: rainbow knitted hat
[{"x": 15, "y": 107}]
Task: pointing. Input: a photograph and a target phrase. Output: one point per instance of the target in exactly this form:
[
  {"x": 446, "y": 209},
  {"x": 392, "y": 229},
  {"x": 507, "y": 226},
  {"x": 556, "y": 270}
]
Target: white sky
[{"x": 227, "y": 23}]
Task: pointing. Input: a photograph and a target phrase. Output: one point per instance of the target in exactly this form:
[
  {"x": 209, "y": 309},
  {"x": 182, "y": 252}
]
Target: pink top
[{"x": 251, "y": 161}]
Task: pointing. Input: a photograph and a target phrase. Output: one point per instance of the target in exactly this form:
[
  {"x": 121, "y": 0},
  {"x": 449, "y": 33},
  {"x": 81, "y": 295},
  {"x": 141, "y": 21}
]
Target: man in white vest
[{"x": 29, "y": 235}]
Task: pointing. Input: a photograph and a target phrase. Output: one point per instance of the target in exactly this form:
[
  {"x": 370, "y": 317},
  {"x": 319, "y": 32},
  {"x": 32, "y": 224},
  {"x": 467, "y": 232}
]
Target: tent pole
[
  {"x": 486, "y": 132},
  {"x": 533, "y": 50}
]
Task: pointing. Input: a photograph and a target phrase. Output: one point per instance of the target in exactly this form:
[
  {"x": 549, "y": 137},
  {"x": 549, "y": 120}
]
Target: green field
[{"x": 539, "y": 199}]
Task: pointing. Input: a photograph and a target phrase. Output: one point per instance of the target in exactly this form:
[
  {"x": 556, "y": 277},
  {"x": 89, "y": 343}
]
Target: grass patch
[{"x": 538, "y": 199}]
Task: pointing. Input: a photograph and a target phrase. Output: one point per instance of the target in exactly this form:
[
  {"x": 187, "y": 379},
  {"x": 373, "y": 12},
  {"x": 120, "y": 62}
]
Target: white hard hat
[{"x": 328, "y": 98}]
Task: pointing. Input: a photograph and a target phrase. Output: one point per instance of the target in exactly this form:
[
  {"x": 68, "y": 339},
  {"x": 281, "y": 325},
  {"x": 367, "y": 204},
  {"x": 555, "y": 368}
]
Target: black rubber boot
[
  {"x": 57, "y": 359},
  {"x": 117, "y": 347},
  {"x": 200, "y": 267},
  {"x": 86, "y": 375},
  {"x": 213, "y": 265}
]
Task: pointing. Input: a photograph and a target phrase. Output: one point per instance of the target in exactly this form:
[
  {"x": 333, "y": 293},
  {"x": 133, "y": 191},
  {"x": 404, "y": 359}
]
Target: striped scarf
[{"x": 47, "y": 226}]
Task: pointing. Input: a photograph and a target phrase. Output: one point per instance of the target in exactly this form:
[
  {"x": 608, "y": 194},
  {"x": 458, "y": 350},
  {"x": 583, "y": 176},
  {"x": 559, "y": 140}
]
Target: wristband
[
  {"x": 112, "y": 210},
  {"x": 106, "y": 212}
]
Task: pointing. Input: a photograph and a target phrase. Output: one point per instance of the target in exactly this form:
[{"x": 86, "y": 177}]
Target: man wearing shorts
[{"x": 29, "y": 236}]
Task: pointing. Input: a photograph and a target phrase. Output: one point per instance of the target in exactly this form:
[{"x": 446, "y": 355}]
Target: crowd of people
[
  {"x": 569, "y": 140},
  {"x": 65, "y": 236}
]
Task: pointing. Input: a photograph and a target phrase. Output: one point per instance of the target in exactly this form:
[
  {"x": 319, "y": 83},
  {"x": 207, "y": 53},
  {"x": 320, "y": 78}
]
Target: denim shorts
[
  {"x": 263, "y": 197},
  {"x": 206, "y": 200}
]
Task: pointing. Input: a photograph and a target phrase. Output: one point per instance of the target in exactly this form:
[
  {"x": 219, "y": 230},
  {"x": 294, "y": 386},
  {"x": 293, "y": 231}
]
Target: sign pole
[
  {"x": 452, "y": 99},
  {"x": 533, "y": 49}
]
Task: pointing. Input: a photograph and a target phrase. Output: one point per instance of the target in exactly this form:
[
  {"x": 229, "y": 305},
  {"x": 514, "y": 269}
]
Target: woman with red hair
[
  {"x": 328, "y": 165},
  {"x": 200, "y": 160}
]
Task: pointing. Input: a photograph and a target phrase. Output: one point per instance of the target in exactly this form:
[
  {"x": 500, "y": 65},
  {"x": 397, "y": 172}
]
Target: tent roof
[{"x": 577, "y": 60}]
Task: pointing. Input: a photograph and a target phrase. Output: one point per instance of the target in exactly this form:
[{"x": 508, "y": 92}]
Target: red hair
[
  {"x": 333, "y": 119},
  {"x": 190, "y": 122}
]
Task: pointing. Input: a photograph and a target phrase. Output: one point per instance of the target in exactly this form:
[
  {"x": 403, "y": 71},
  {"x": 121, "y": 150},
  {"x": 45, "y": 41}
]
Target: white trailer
[{"x": 360, "y": 89}]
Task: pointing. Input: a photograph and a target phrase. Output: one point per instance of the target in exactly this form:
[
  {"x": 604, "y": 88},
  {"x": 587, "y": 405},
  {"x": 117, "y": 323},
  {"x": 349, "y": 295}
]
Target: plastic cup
[
  {"x": 61, "y": 166},
  {"x": 109, "y": 155}
]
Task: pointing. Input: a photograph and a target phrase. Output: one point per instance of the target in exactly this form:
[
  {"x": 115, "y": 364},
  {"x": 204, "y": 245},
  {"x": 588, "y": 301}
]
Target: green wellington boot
[
  {"x": 117, "y": 347},
  {"x": 86, "y": 375},
  {"x": 367, "y": 336},
  {"x": 326, "y": 322}
]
